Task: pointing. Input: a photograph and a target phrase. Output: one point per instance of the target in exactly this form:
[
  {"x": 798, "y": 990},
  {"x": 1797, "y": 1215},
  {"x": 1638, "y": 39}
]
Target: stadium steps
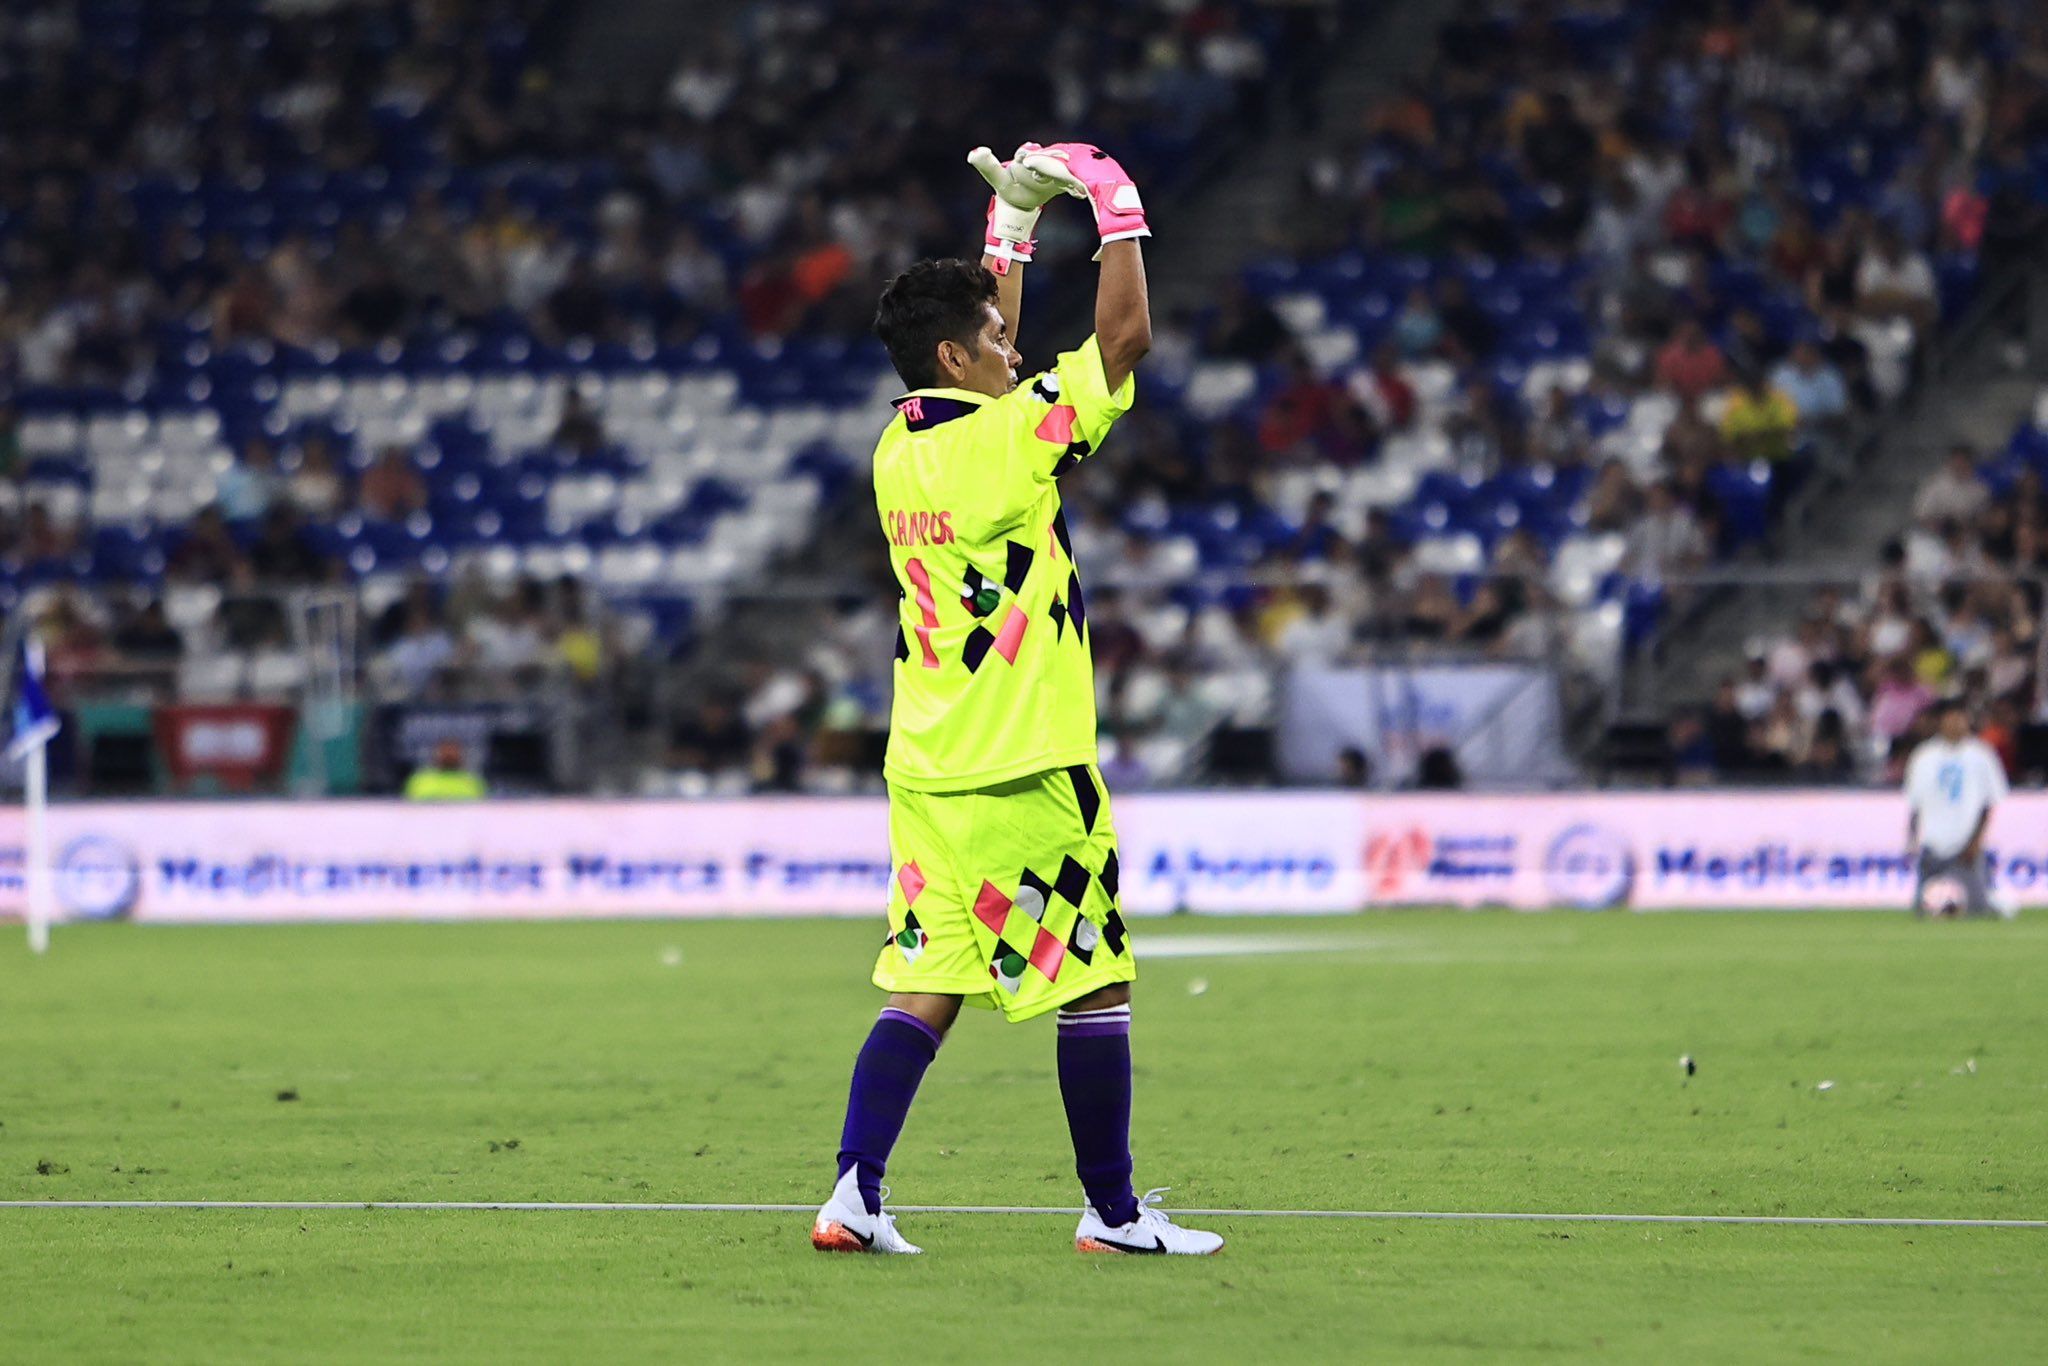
[{"x": 1204, "y": 244}]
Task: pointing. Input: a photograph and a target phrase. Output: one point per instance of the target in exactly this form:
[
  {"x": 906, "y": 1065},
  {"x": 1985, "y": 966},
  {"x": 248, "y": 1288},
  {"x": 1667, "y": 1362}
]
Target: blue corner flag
[{"x": 35, "y": 720}]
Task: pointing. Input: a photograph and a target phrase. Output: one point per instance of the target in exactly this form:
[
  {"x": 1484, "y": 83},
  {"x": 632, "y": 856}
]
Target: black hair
[{"x": 931, "y": 302}]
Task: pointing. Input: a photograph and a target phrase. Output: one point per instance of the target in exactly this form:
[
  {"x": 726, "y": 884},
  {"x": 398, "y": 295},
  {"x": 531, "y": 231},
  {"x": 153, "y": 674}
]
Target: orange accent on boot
[
  {"x": 833, "y": 1236},
  {"x": 1094, "y": 1245}
]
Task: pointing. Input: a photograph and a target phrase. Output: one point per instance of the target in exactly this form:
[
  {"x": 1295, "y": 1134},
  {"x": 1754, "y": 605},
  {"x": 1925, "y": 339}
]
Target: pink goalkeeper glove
[
  {"x": 1119, "y": 212},
  {"x": 1022, "y": 185}
]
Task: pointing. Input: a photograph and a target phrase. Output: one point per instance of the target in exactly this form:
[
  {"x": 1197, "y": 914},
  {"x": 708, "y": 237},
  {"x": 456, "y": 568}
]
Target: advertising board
[{"x": 169, "y": 862}]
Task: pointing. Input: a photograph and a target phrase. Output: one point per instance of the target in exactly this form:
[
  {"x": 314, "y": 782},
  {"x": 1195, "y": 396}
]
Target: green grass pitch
[{"x": 1413, "y": 1062}]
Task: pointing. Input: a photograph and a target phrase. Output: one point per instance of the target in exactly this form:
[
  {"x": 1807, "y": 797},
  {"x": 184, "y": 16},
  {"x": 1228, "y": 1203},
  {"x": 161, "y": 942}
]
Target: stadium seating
[{"x": 1539, "y": 216}]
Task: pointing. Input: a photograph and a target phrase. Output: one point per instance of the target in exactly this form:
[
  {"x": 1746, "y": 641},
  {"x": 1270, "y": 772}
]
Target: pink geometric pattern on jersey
[
  {"x": 1012, "y": 634},
  {"x": 992, "y": 908},
  {"x": 1047, "y": 953},
  {"x": 1057, "y": 426},
  {"x": 911, "y": 879}
]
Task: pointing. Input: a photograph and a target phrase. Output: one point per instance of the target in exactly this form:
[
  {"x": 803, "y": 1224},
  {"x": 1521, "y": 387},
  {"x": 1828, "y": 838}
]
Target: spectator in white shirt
[
  {"x": 1953, "y": 492},
  {"x": 1894, "y": 282},
  {"x": 1665, "y": 540},
  {"x": 1318, "y": 635},
  {"x": 1755, "y": 693}
]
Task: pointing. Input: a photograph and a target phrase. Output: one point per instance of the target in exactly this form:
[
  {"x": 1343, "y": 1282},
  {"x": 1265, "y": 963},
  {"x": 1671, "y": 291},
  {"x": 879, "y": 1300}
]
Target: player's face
[
  {"x": 1955, "y": 724},
  {"x": 993, "y": 369}
]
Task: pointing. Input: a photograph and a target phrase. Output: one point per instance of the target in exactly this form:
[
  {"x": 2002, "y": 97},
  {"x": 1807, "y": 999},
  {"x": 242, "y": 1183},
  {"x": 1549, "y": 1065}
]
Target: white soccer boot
[
  {"x": 1150, "y": 1232},
  {"x": 844, "y": 1224}
]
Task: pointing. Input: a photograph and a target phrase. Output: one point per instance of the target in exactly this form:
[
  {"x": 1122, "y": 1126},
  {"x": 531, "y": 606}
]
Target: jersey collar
[{"x": 924, "y": 409}]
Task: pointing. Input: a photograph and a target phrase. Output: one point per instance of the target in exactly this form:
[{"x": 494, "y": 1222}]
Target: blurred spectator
[
  {"x": 1814, "y": 386},
  {"x": 282, "y": 555},
  {"x": 779, "y": 755},
  {"x": 44, "y": 538},
  {"x": 1559, "y": 435},
  {"x": 1317, "y": 634},
  {"x": 1666, "y": 540},
  {"x": 2001, "y": 731},
  {"x": 1614, "y": 501},
  {"x": 1953, "y": 493},
  {"x": 1898, "y": 699},
  {"x": 447, "y": 777},
  {"x": 1690, "y": 365},
  {"x": 1827, "y": 757},
  {"x": 376, "y": 305},
  {"x": 1893, "y": 281},
  {"x": 1123, "y": 768},
  {"x": 1726, "y": 728},
  {"x": 316, "y": 486},
  {"x": 74, "y": 644},
  {"x": 207, "y": 552},
  {"x": 392, "y": 489},
  {"x": 712, "y": 740},
  {"x": 422, "y": 654},
  {"x": 248, "y": 486},
  {"x": 1383, "y": 393},
  {"x": 579, "y": 643},
  {"x": 578, "y": 432},
  {"x": 1438, "y": 770},
  {"x": 1418, "y": 327},
  {"x": 1691, "y": 749},
  {"x": 1758, "y": 420},
  {"x": 1300, "y": 413},
  {"x": 1182, "y": 712},
  {"x": 510, "y": 639},
  {"x": 146, "y": 636}
]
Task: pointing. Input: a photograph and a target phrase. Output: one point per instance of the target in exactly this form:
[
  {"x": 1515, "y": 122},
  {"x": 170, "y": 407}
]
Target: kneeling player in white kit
[{"x": 1953, "y": 782}]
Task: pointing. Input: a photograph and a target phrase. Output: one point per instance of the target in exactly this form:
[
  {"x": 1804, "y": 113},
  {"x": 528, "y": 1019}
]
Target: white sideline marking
[
  {"x": 1247, "y": 945},
  {"x": 624, "y": 1207}
]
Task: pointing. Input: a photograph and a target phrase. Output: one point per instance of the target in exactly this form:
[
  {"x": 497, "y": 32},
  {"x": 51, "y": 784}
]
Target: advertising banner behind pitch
[
  {"x": 263, "y": 861},
  {"x": 1220, "y": 852}
]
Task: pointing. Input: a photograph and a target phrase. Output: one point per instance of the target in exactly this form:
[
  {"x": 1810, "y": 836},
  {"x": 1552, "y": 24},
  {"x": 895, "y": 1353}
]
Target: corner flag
[
  {"x": 35, "y": 720},
  {"x": 35, "y": 725}
]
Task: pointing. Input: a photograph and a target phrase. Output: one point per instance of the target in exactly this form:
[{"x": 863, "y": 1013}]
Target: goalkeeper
[{"x": 1005, "y": 887}]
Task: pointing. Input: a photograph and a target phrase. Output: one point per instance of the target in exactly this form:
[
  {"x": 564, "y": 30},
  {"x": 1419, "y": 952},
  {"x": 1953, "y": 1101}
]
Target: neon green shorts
[{"x": 1006, "y": 895}]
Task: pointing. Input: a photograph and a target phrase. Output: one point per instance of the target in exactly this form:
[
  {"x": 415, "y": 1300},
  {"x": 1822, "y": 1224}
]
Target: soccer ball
[{"x": 1943, "y": 898}]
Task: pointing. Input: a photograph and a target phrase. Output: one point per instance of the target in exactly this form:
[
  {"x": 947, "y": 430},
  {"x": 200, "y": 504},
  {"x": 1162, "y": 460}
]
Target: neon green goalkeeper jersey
[{"x": 993, "y": 675}]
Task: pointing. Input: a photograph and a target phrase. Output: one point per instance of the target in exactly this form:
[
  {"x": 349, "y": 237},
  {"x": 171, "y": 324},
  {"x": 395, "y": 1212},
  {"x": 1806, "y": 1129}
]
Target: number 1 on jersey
[{"x": 927, "y": 607}]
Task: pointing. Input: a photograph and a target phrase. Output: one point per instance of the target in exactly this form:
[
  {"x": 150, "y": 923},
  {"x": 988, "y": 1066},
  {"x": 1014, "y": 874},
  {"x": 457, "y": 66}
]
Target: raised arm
[
  {"x": 1123, "y": 312},
  {"x": 1009, "y": 290}
]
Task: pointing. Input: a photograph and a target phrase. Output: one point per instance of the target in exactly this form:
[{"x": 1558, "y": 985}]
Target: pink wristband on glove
[
  {"x": 1119, "y": 211},
  {"x": 1001, "y": 250}
]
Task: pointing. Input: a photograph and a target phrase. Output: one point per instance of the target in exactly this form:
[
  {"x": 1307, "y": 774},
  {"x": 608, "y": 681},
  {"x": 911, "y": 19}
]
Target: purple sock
[
  {"x": 885, "y": 1078},
  {"x": 1095, "y": 1083}
]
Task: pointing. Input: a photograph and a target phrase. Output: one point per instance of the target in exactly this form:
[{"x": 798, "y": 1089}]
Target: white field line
[
  {"x": 1151, "y": 947},
  {"x": 1451, "y": 1216}
]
